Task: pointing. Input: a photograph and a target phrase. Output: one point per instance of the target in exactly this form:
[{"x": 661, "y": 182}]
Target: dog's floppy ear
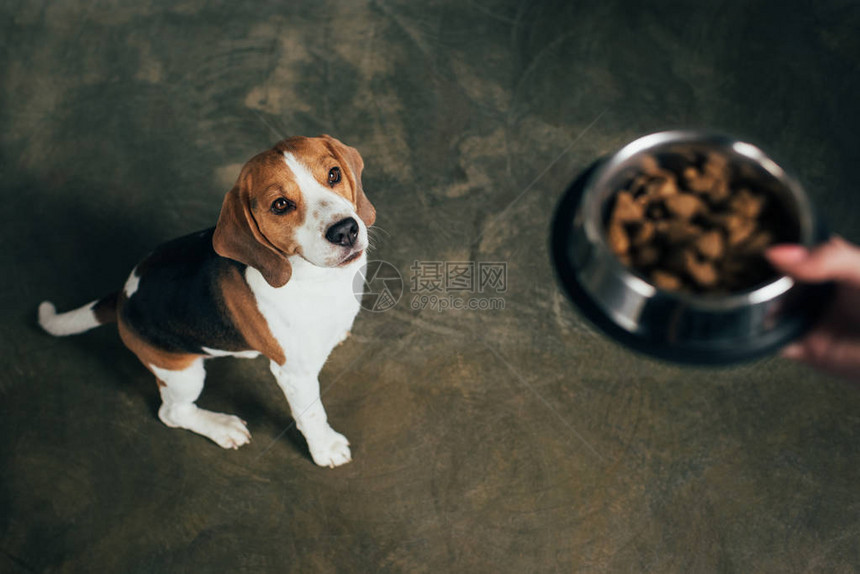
[
  {"x": 238, "y": 237},
  {"x": 352, "y": 159}
]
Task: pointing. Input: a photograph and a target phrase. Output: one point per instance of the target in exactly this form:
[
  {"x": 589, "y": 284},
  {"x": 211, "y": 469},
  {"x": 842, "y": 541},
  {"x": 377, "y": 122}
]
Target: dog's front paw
[{"x": 331, "y": 449}]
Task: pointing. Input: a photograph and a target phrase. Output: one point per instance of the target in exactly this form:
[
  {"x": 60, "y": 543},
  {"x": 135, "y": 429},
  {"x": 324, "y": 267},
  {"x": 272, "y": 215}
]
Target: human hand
[{"x": 833, "y": 344}]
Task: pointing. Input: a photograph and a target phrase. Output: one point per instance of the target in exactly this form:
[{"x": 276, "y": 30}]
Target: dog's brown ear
[
  {"x": 352, "y": 159},
  {"x": 238, "y": 237}
]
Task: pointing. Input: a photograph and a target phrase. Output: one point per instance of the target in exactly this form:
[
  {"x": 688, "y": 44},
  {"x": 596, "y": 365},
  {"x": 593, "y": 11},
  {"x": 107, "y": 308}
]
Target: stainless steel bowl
[{"x": 681, "y": 327}]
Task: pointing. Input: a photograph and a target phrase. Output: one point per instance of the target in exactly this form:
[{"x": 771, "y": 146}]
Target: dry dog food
[{"x": 692, "y": 222}]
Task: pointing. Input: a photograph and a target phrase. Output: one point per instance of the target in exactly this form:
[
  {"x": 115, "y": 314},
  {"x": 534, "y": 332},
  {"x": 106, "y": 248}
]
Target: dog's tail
[{"x": 79, "y": 320}]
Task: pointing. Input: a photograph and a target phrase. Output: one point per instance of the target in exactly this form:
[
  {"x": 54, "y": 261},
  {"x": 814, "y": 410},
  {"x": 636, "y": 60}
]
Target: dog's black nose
[{"x": 344, "y": 232}]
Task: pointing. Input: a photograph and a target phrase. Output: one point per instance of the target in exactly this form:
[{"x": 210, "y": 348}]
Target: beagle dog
[{"x": 273, "y": 277}]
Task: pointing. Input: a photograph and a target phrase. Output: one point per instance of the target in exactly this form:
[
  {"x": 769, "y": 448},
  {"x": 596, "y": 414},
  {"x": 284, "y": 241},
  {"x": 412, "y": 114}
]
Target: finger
[
  {"x": 830, "y": 353},
  {"x": 836, "y": 260},
  {"x": 793, "y": 351}
]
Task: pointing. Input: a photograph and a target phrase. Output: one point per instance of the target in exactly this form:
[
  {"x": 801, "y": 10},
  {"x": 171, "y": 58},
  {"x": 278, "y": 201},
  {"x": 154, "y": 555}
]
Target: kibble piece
[
  {"x": 677, "y": 231},
  {"x": 690, "y": 172},
  {"x": 618, "y": 240},
  {"x": 701, "y": 184},
  {"x": 649, "y": 165},
  {"x": 703, "y": 272},
  {"x": 665, "y": 280},
  {"x": 746, "y": 204},
  {"x": 643, "y": 233},
  {"x": 662, "y": 187},
  {"x": 757, "y": 243},
  {"x": 720, "y": 191},
  {"x": 717, "y": 166},
  {"x": 711, "y": 244},
  {"x": 696, "y": 181},
  {"x": 684, "y": 205},
  {"x": 738, "y": 229},
  {"x": 626, "y": 209}
]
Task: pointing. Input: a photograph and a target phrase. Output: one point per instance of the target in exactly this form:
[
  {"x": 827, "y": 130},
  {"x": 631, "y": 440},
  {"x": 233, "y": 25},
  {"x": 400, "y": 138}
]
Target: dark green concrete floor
[{"x": 516, "y": 440}]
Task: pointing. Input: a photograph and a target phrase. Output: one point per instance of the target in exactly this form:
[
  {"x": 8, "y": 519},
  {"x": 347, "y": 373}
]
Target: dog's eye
[
  {"x": 282, "y": 205},
  {"x": 333, "y": 175}
]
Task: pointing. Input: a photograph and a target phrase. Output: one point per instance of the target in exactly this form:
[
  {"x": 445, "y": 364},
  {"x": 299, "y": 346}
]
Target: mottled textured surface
[{"x": 516, "y": 440}]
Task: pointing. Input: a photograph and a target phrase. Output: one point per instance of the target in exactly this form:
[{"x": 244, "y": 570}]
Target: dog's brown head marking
[{"x": 265, "y": 217}]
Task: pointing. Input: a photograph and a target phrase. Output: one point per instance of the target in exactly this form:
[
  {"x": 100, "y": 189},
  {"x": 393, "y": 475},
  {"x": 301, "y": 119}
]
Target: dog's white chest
[{"x": 311, "y": 313}]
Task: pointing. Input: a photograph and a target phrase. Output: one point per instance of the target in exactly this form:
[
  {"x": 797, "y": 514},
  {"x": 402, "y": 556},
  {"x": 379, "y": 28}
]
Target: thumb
[{"x": 836, "y": 260}]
